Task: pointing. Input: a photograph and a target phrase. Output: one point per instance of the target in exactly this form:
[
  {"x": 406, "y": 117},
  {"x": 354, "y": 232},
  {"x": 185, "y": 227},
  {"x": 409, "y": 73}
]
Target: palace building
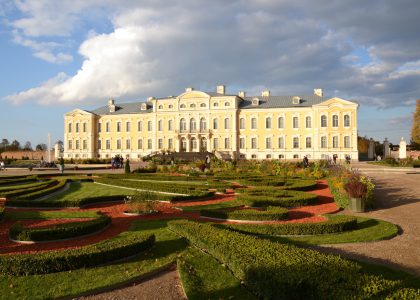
[{"x": 239, "y": 126}]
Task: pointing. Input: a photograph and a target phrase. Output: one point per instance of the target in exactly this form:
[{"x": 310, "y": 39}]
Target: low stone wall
[{"x": 36, "y": 155}]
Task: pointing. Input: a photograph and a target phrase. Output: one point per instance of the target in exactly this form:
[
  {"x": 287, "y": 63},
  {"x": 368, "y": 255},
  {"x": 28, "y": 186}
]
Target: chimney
[
  {"x": 189, "y": 89},
  {"x": 242, "y": 94},
  {"x": 318, "y": 92},
  {"x": 111, "y": 105},
  {"x": 220, "y": 89},
  {"x": 265, "y": 93},
  {"x": 143, "y": 106},
  {"x": 150, "y": 99}
]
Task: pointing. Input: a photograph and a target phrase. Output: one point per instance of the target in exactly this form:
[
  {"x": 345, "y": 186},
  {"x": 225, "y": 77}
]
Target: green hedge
[
  {"x": 66, "y": 203},
  {"x": 1, "y": 212},
  {"x": 40, "y": 193},
  {"x": 270, "y": 214},
  {"x": 15, "y": 193},
  {"x": 334, "y": 224},
  {"x": 17, "y": 179},
  {"x": 283, "y": 271},
  {"x": 259, "y": 198},
  {"x": 125, "y": 245},
  {"x": 58, "y": 232}
]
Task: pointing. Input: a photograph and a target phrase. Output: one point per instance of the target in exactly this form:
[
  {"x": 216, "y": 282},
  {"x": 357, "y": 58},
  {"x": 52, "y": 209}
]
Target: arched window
[
  {"x": 346, "y": 121},
  {"x": 253, "y": 123},
  {"x": 308, "y": 122},
  {"x": 70, "y": 127},
  {"x": 281, "y": 122},
  {"x": 108, "y": 127},
  {"x": 215, "y": 104},
  {"x": 182, "y": 124},
  {"x": 227, "y": 123},
  {"x": 268, "y": 123},
  {"x": 84, "y": 127},
  {"x": 118, "y": 126},
  {"x": 193, "y": 124},
  {"x": 215, "y": 124},
  {"x": 203, "y": 105},
  {"x": 160, "y": 107},
  {"x": 170, "y": 106},
  {"x": 323, "y": 121},
  {"x": 335, "y": 121},
  {"x": 203, "y": 124},
  {"x": 227, "y": 103},
  {"x": 193, "y": 144},
  {"x": 182, "y": 106},
  {"x": 77, "y": 127},
  {"x": 192, "y": 105}
]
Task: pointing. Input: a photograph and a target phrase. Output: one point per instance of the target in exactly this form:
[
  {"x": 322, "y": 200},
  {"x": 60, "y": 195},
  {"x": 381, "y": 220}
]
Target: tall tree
[
  {"x": 415, "y": 130},
  {"x": 14, "y": 146},
  {"x": 41, "y": 147},
  {"x": 28, "y": 146},
  {"x": 4, "y": 145}
]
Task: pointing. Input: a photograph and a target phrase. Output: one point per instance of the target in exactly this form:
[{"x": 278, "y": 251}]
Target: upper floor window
[
  {"x": 215, "y": 104},
  {"x": 84, "y": 127},
  {"x": 295, "y": 142},
  {"x": 118, "y": 126},
  {"x": 254, "y": 143},
  {"x": 216, "y": 143},
  {"x": 334, "y": 121},
  {"x": 281, "y": 122},
  {"x": 118, "y": 144},
  {"x": 99, "y": 127},
  {"x": 323, "y": 121},
  {"x": 308, "y": 142},
  {"x": 193, "y": 124},
  {"x": 149, "y": 144},
  {"x": 281, "y": 142},
  {"x": 160, "y": 125},
  {"x": 215, "y": 123},
  {"x": 253, "y": 123},
  {"x": 241, "y": 123},
  {"x": 139, "y": 126},
  {"x": 149, "y": 126},
  {"x": 128, "y": 126},
  {"x": 295, "y": 122},
  {"x": 170, "y": 106},
  {"x": 139, "y": 144},
  {"x": 268, "y": 123},
  {"x": 346, "y": 142},
  {"x": 160, "y": 107},
  {"x": 242, "y": 143},
  {"x": 77, "y": 144},
  {"x": 182, "y": 124},
  {"x": 108, "y": 127},
  {"x": 335, "y": 141},
  {"x": 227, "y": 124},
  {"x": 182, "y": 106},
  {"x": 77, "y": 127},
  {"x": 70, "y": 144},
  {"x": 346, "y": 121},
  {"x": 192, "y": 105},
  {"x": 268, "y": 143},
  {"x": 127, "y": 144},
  {"x": 99, "y": 144},
  {"x": 84, "y": 144},
  {"x": 227, "y": 143},
  {"x": 203, "y": 124},
  {"x": 227, "y": 103},
  {"x": 69, "y": 127},
  {"x": 107, "y": 144},
  {"x": 170, "y": 125},
  {"x": 203, "y": 105},
  {"x": 324, "y": 142},
  {"x": 308, "y": 122}
]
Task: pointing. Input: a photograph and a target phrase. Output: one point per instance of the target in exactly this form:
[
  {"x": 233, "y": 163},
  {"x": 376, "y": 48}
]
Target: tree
[
  {"x": 41, "y": 147},
  {"x": 28, "y": 146},
  {"x": 4, "y": 145},
  {"x": 127, "y": 167},
  {"x": 415, "y": 130},
  {"x": 14, "y": 146},
  {"x": 362, "y": 144}
]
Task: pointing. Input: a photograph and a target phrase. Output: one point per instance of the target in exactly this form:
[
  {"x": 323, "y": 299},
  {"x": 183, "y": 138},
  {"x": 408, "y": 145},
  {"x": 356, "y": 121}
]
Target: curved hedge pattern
[
  {"x": 260, "y": 198},
  {"x": 125, "y": 245},
  {"x": 61, "y": 231},
  {"x": 283, "y": 271},
  {"x": 16, "y": 193},
  {"x": 269, "y": 214},
  {"x": 334, "y": 224}
]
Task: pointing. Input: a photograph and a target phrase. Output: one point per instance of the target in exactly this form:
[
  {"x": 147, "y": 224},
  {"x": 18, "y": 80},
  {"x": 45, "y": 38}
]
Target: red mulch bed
[{"x": 121, "y": 222}]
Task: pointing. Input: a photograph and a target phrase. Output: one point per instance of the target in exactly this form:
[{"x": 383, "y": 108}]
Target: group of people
[
  {"x": 117, "y": 162},
  {"x": 2, "y": 166}
]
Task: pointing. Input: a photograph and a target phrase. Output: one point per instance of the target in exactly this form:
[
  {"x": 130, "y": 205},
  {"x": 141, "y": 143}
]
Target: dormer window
[
  {"x": 170, "y": 106},
  {"x": 255, "y": 101},
  {"x": 215, "y": 104},
  {"x": 160, "y": 107},
  {"x": 192, "y": 105},
  {"x": 296, "y": 100},
  {"x": 182, "y": 106},
  {"x": 143, "y": 106},
  {"x": 203, "y": 105},
  {"x": 227, "y": 103}
]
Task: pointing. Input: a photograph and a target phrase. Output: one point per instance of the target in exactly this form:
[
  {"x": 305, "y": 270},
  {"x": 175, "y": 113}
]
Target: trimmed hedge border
[
  {"x": 1, "y": 212},
  {"x": 334, "y": 224},
  {"x": 58, "y": 232},
  {"x": 125, "y": 245},
  {"x": 260, "y": 198},
  {"x": 22, "y": 191},
  {"x": 270, "y": 214},
  {"x": 67, "y": 203},
  {"x": 283, "y": 271},
  {"x": 45, "y": 191},
  {"x": 17, "y": 179}
]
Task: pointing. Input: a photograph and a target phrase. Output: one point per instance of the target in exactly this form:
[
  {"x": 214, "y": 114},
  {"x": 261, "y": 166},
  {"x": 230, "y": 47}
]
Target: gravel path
[{"x": 398, "y": 198}]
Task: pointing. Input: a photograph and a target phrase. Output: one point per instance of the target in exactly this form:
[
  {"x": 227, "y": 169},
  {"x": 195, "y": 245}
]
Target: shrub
[
  {"x": 15, "y": 193},
  {"x": 333, "y": 224},
  {"x": 127, "y": 167},
  {"x": 124, "y": 245},
  {"x": 355, "y": 189},
  {"x": 283, "y": 271},
  {"x": 45, "y": 191},
  {"x": 1, "y": 212},
  {"x": 58, "y": 232},
  {"x": 269, "y": 214},
  {"x": 258, "y": 198}
]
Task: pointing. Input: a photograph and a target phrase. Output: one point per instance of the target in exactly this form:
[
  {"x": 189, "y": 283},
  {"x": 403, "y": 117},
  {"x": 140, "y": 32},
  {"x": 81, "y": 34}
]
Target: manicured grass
[
  {"x": 203, "y": 277},
  {"x": 71, "y": 284},
  {"x": 43, "y": 215},
  {"x": 81, "y": 190},
  {"x": 20, "y": 186},
  {"x": 367, "y": 230}
]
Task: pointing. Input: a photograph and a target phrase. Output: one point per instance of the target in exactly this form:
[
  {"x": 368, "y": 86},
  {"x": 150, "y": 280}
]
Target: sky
[{"x": 60, "y": 55}]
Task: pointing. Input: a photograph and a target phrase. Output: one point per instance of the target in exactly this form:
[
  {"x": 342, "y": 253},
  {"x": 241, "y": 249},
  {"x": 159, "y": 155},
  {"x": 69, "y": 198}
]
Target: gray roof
[
  {"x": 123, "y": 108},
  {"x": 281, "y": 101}
]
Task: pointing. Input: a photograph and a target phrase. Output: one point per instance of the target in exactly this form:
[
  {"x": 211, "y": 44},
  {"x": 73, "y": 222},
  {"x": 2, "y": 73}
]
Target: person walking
[{"x": 2, "y": 166}]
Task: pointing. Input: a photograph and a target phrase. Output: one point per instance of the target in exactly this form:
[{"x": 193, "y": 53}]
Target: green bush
[
  {"x": 283, "y": 271},
  {"x": 17, "y": 179},
  {"x": 15, "y": 193},
  {"x": 45, "y": 191},
  {"x": 1, "y": 212},
  {"x": 269, "y": 214},
  {"x": 267, "y": 197},
  {"x": 334, "y": 224},
  {"x": 66, "y": 203},
  {"x": 61, "y": 231},
  {"x": 124, "y": 245}
]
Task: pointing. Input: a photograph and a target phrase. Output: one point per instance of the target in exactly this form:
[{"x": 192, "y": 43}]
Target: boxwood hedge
[
  {"x": 283, "y": 271},
  {"x": 15, "y": 193},
  {"x": 260, "y": 198},
  {"x": 1, "y": 212},
  {"x": 61, "y": 231},
  {"x": 334, "y": 224},
  {"x": 125, "y": 245},
  {"x": 17, "y": 179},
  {"x": 269, "y": 214}
]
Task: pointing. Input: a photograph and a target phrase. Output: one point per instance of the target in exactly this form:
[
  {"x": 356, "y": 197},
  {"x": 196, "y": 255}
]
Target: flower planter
[{"x": 357, "y": 204}]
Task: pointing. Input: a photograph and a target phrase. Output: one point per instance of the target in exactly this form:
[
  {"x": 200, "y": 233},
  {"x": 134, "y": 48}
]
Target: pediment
[
  {"x": 194, "y": 95},
  {"x": 336, "y": 102},
  {"x": 77, "y": 113}
]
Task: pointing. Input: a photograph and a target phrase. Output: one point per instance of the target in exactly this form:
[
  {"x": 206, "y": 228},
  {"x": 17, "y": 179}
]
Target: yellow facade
[{"x": 260, "y": 127}]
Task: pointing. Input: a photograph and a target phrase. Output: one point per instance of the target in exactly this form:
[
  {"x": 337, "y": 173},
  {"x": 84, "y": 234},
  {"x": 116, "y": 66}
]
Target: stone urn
[{"x": 357, "y": 204}]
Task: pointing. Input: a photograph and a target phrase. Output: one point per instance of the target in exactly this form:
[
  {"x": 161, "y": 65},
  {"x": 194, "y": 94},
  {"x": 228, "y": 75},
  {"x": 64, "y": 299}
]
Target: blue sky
[{"x": 61, "y": 55}]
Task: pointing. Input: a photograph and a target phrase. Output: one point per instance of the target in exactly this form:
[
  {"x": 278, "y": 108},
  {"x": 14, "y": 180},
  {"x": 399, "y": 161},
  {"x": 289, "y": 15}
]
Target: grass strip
[
  {"x": 271, "y": 213},
  {"x": 261, "y": 198}
]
